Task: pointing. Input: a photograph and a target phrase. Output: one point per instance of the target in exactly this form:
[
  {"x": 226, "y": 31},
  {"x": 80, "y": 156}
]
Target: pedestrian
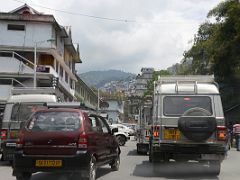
[
  {"x": 230, "y": 134},
  {"x": 236, "y": 132}
]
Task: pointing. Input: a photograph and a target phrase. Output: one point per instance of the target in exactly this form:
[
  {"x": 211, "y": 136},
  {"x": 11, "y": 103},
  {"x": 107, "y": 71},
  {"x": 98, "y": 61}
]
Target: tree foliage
[{"x": 216, "y": 48}]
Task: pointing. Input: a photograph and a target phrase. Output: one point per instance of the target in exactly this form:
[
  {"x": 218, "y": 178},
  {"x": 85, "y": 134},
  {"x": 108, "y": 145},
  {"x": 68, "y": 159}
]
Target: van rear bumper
[
  {"x": 199, "y": 152},
  {"x": 70, "y": 163},
  {"x": 190, "y": 148}
]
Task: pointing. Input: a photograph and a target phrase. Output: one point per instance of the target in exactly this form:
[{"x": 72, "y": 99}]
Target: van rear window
[
  {"x": 22, "y": 111},
  {"x": 54, "y": 121},
  {"x": 177, "y": 105}
]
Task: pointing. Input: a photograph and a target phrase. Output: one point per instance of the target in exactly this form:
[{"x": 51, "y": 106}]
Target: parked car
[
  {"x": 131, "y": 126},
  {"x": 65, "y": 140},
  {"x": 124, "y": 128},
  {"x": 121, "y": 136}
]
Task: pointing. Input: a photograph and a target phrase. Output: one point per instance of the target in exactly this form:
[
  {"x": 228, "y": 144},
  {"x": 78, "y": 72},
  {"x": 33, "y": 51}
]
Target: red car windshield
[{"x": 54, "y": 121}]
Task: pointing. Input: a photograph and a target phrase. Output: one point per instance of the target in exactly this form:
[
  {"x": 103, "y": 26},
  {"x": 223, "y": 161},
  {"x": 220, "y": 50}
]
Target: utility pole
[
  {"x": 98, "y": 102},
  {"x": 35, "y": 66}
]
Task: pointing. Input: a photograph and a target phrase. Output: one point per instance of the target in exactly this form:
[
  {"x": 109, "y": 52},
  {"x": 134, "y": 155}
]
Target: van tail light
[
  {"x": 147, "y": 137},
  {"x": 82, "y": 141},
  {"x": 155, "y": 130},
  {"x": 19, "y": 140},
  {"x": 4, "y": 134},
  {"x": 221, "y": 133}
]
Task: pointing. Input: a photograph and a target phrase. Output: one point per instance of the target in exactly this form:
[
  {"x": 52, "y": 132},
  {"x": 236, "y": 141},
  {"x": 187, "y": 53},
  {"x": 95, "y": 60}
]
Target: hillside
[{"x": 99, "y": 78}]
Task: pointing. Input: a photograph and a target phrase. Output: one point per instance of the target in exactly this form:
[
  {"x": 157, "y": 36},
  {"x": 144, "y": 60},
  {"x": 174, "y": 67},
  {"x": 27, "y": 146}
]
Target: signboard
[{"x": 44, "y": 69}]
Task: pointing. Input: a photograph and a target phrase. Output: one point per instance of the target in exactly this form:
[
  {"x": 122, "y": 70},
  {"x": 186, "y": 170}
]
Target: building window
[
  {"x": 16, "y": 27},
  {"x": 71, "y": 84},
  {"x": 81, "y": 92},
  {"x": 56, "y": 66},
  {"x": 66, "y": 77},
  {"x": 56, "y": 38},
  {"x": 73, "y": 67},
  {"x": 61, "y": 71}
]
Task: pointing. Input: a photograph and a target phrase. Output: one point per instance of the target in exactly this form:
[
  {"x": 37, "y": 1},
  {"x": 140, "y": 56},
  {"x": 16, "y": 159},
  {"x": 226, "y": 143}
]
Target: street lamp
[{"x": 35, "y": 60}]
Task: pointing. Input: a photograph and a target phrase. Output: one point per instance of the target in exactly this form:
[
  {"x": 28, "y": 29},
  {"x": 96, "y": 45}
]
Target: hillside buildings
[{"x": 142, "y": 80}]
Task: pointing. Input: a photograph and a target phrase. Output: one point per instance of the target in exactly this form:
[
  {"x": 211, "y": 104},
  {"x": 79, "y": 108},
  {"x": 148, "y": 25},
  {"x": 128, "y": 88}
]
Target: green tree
[
  {"x": 183, "y": 69},
  {"x": 202, "y": 50},
  {"x": 216, "y": 45},
  {"x": 227, "y": 55}
]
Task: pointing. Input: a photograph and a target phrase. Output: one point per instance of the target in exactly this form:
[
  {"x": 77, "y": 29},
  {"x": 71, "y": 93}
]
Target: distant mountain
[{"x": 100, "y": 78}]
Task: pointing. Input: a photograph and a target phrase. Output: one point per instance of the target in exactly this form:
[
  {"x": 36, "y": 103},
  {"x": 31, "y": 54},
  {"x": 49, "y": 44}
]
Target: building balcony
[
  {"x": 16, "y": 66},
  {"x": 47, "y": 70}
]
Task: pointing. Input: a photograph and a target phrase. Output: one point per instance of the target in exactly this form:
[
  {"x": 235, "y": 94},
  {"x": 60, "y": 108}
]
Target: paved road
[{"x": 135, "y": 167}]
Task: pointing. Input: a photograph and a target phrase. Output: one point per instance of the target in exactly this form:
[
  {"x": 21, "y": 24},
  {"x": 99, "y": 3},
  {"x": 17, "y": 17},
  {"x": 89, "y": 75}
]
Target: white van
[
  {"x": 18, "y": 109},
  {"x": 189, "y": 122}
]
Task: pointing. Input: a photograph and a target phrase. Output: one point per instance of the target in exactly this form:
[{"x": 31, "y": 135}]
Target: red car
[{"x": 65, "y": 140}]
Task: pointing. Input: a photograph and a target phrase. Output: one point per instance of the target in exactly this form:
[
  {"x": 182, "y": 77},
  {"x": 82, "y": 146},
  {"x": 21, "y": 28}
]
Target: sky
[{"x": 136, "y": 33}]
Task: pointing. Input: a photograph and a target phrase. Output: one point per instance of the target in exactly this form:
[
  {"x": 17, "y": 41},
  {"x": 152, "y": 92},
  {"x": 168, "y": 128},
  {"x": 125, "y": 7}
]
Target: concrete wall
[
  {"x": 115, "y": 106},
  {"x": 113, "y": 117},
  {"x": 5, "y": 92},
  {"x": 33, "y": 32},
  {"x": 114, "y": 111}
]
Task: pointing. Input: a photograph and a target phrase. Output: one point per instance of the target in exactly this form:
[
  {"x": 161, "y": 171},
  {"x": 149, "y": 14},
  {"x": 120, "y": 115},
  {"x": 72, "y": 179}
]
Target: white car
[
  {"x": 122, "y": 137},
  {"x": 123, "y": 128}
]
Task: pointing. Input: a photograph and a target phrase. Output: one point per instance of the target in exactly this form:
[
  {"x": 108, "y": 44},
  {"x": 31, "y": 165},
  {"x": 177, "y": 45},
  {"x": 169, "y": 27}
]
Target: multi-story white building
[
  {"x": 136, "y": 97},
  {"x": 142, "y": 80},
  {"x": 21, "y": 31}
]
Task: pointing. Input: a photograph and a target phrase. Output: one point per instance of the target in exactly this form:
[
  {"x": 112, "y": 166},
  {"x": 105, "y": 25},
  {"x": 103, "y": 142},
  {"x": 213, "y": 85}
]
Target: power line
[
  {"x": 100, "y": 17},
  {"x": 80, "y": 14}
]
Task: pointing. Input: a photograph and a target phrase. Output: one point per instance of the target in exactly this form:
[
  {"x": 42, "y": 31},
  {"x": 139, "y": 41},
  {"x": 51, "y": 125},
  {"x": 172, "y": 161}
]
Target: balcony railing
[
  {"x": 17, "y": 56},
  {"x": 11, "y": 81}
]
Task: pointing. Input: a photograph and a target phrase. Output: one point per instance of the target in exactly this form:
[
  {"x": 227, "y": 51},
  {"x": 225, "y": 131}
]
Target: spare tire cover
[{"x": 196, "y": 124}]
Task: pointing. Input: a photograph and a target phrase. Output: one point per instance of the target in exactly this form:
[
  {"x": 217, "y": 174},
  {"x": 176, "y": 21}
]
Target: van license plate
[
  {"x": 172, "y": 134},
  {"x": 48, "y": 163},
  {"x": 10, "y": 144},
  {"x": 13, "y": 134}
]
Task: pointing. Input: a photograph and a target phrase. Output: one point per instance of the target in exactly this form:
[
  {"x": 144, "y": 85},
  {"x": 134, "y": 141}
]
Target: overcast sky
[{"x": 156, "y": 32}]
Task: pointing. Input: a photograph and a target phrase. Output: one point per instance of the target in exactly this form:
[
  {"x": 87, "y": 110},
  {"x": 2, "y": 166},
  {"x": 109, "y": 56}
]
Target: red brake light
[
  {"x": 19, "y": 140},
  {"x": 221, "y": 133},
  {"x": 187, "y": 99},
  {"x": 155, "y": 133},
  {"x": 155, "y": 130},
  {"x": 3, "y": 134},
  {"x": 82, "y": 141}
]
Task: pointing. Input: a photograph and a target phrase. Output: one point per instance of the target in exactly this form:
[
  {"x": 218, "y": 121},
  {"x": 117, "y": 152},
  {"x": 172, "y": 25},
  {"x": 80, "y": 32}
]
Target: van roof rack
[
  {"x": 74, "y": 105},
  {"x": 192, "y": 78}
]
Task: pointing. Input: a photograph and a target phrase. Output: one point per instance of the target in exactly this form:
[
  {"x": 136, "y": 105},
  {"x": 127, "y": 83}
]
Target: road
[{"x": 135, "y": 167}]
